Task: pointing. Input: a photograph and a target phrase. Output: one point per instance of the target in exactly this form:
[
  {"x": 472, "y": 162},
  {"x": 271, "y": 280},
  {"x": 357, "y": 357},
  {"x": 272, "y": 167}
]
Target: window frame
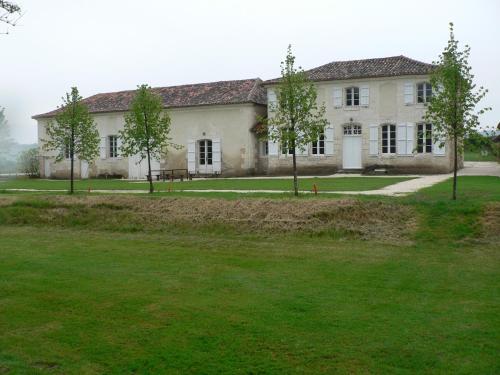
[
  {"x": 319, "y": 145},
  {"x": 112, "y": 146},
  {"x": 426, "y": 92},
  {"x": 264, "y": 148},
  {"x": 350, "y": 95},
  {"x": 391, "y": 136},
  {"x": 425, "y": 138}
]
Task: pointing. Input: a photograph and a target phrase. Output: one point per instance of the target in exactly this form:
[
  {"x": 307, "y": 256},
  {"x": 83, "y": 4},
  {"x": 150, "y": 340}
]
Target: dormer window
[
  {"x": 424, "y": 92},
  {"x": 352, "y": 96}
]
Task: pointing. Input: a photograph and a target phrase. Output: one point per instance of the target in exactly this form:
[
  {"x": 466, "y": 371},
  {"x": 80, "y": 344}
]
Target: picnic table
[{"x": 170, "y": 174}]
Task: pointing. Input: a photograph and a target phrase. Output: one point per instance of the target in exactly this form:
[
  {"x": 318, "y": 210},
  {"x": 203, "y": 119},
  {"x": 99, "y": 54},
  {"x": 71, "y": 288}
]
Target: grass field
[
  {"x": 477, "y": 156},
  {"x": 325, "y": 184},
  {"x": 222, "y": 298}
]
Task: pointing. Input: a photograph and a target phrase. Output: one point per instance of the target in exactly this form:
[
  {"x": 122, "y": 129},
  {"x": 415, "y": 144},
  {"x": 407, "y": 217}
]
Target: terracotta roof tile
[
  {"x": 367, "y": 68},
  {"x": 213, "y": 93}
]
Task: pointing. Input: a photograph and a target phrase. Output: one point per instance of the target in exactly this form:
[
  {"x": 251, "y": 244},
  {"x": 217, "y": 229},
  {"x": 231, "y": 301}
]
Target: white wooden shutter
[
  {"x": 409, "y": 93},
  {"x": 102, "y": 148},
  {"x": 329, "y": 138},
  {"x": 364, "y": 95},
  {"x": 272, "y": 146},
  {"x": 410, "y": 136},
  {"x": 373, "y": 140},
  {"x": 191, "y": 156},
  {"x": 437, "y": 149},
  {"x": 216, "y": 155},
  {"x": 337, "y": 97},
  {"x": 119, "y": 147},
  {"x": 401, "y": 139}
]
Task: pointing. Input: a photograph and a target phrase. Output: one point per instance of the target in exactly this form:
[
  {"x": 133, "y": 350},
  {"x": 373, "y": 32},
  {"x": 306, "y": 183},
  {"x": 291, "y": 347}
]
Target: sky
[{"x": 112, "y": 45}]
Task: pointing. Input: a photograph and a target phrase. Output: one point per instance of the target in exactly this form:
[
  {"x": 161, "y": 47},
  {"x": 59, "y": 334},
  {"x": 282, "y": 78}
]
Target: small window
[
  {"x": 67, "y": 152},
  {"x": 285, "y": 147},
  {"x": 388, "y": 139},
  {"x": 205, "y": 152},
  {"x": 424, "y": 138},
  {"x": 352, "y": 96},
  {"x": 113, "y": 146},
  {"x": 424, "y": 92},
  {"x": 318, "y": 147},
  {"x": 352, "y": 129}
]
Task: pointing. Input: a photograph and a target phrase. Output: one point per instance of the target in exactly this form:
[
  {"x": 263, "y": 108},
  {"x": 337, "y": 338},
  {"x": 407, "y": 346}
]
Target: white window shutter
[
  {"x": 271, "y": 100},
  {"x": 409, "y": 93},
  {"x": 337, "y": 97},
  {"x": 191, "y": 156},
  {"x": 401, "y": 139},
  {"x": 102, "y": 148},
  {"x": 119, "y": 147},
  {"x": 410, "y": 136},
  {"x": 373, "y": 139},
  {"x": 273, "y": 147},
  {"x": 437, "y": 149},
  {"x": 216, "y": 155},
  {"x": 301, "y": 152},
  {"x": 329, "y": 138},
  {"x": 364, "y": 95}
]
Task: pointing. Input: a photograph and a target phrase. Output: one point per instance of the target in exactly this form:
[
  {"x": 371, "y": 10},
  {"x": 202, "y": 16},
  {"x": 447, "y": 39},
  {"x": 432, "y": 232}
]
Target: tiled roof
[
  {"x": 367, "y": 68},
  {"x": 213, "y": 93}
]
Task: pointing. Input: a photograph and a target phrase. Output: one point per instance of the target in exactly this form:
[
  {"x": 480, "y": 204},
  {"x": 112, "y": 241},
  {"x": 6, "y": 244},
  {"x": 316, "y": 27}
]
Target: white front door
[
  {"x": 351, "y": 147},
  {"x": 205, "y": 156}
]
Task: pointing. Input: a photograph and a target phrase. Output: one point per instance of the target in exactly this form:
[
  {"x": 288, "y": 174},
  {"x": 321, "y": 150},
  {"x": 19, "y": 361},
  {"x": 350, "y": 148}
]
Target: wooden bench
[{"x": 171, "y": 174}]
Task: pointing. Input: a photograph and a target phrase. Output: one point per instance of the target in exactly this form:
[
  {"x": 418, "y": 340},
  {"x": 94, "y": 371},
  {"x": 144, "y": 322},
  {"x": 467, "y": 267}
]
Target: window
[
  {"x": 318, "y": 147},
  {"x": 424, "y": 138},
  {"x": 286, "y": 148},
  {"x": 388, "y": 139},
  {"x": 424, "y": 92},
  {"x": 352, "y": 129},
  {"x": 264, "y": 148},
  {"x": 113, "y": 146},
  {"x": 205, "y": 152},
  {"x": 352, "y": 96},
  {"x": 67, "y": 152}
]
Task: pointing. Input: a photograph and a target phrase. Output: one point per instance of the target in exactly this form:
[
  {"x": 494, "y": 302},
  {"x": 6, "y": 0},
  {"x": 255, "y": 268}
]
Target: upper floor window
[
  {"x": 388, "y": 139},
  {"x": 113, "y": 146},
  {"x": 424, "y": 138},
  {"x": 318, "y": 147},
  {"x": 352, "y": 96},
  {"x": 424, "y": 92}
]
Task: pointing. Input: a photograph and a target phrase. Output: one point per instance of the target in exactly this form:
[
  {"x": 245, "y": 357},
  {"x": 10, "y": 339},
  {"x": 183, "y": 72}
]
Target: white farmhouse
[{"x": 375, "y": 109}]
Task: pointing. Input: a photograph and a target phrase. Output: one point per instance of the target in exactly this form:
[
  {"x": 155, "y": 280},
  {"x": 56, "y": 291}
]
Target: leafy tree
[
  {"x": 9, "y": 12},
  {"x": 5, "y": 140},
  {"x": 452, "y": 108},
  {"x": 73, "y": 132},
  {"x": 295, "y": 119},
  {"x": 147, "y": 128},
  {"x": 28, "y": 162}
]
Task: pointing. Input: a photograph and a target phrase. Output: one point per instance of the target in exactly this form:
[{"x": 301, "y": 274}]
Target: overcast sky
[{"x": 110, "y": 45}]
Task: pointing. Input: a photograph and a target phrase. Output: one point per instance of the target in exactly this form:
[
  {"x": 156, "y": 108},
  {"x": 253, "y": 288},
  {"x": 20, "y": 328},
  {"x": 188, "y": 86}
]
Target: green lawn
[
  {"x": 325, "y": 184},
  {"x": 477, "y": 156},
  {"x": 213, "y": 300}
]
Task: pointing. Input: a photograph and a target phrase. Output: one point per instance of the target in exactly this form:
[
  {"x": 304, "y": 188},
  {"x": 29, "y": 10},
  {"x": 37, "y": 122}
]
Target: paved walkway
[{"x": 399, "y": 189}]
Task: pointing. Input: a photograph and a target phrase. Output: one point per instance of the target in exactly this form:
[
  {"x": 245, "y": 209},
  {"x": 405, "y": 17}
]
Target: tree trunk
[
  {"x": 455, "y": 166},
  {"x": 295, "y": 181},
  {"x": 151, "y": 189}
]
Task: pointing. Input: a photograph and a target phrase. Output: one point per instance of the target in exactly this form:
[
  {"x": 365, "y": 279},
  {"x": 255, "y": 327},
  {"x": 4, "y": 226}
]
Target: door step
[{"x": 350, "y": 171}]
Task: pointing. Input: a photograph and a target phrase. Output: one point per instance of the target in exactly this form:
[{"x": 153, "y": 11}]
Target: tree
[
  {"x": 452, "y": 107},
  {"x": 73, "y": 132},
  {"x": 147, "y": 128},
  {"x": 10, "y": 12},
  {"x": 5, "y": 140},
  {"x": 28, "y": 162},
  {"x": 295, "y": 120}
]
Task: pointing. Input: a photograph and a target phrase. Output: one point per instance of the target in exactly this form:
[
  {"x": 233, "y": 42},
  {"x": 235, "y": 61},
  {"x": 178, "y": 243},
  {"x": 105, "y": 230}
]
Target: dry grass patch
[
  {"x": 491, "y": 222},
  {"x": 365, "y": 219}
]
